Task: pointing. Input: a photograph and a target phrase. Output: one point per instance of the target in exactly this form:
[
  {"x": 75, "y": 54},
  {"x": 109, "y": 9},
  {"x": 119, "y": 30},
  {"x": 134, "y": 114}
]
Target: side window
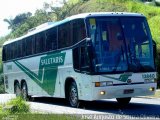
[
  {"x": 81, "y": 59},
  {"x": 40, "y": 42},
  {"x": 8, "y": 52},
  {"x": 12, "y": 51},
  {"x": 76, "y": 58},
  {"x": 4, "y": 53},
  {"x": 24, "y": 48},
  {"x": 78, "y": 30},
  {"x": 19, "y": 49},
  {"x": 64, "y": 35},
  {"x": 51, "y": 39},
  {"x": 33, "y": 44},
  {"x": 15, "y": 50},
  {"x": 28, "y": 46}
]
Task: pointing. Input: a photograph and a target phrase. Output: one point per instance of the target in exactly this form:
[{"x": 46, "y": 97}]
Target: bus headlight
[
  {"x": 102, "y": 93},
  {"x": 103, "y": 84},
  {"x": 151, "y": 89}
]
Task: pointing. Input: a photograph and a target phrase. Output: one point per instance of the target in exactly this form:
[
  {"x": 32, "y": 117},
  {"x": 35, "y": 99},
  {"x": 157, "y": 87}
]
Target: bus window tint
[
  {"x": 64, "y": 36},
  {"x": 76, "y": 58},
  {"x": 19, "y": 49},
  {"x": 28, "y": 46},
  {"x": 12, "y": 50},
  {"x": 4, "y": 53},
  {"x": 7, "y": 52},
  {"x": 51, "y": 39},
  {"x": 15, "y": 50},
  {"x": 40, "y": 43},
  {"x": 23, "y": 48},
  {"x": 79, "y": 31}
]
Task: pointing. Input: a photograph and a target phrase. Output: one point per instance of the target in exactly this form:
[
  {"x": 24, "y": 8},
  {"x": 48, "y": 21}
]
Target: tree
[
  {"x": 18, "y": 20},
  {"x": 10, "y": 22}
]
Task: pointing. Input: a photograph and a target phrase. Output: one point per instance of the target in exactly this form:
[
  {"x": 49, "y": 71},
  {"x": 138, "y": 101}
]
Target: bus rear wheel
[
  {"x": 123, "y": 101},
  {"x": 73, "y": 95},
  {"x": 24, "y": 91},
  {"x": 17, "y": 89}
]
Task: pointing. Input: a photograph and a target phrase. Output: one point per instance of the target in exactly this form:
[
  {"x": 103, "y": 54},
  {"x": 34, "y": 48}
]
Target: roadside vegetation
[
  {"x": 1, "y": 84},
  {"x": 157, "y": 94},
  {"x": 19, "y": 109},
  {"x": 14, "y": 106}
]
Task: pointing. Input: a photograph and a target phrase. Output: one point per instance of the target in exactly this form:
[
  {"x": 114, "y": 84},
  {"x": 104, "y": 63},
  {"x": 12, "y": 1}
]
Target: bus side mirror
[
  {"x": 90, "y": 52},
  {"x": 88, "y": 41},
  {"x": 89, "y": 44}
]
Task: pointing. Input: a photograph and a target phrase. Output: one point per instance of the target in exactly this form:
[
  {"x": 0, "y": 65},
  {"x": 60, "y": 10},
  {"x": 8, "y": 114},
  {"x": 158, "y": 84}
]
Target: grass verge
[
  {"x": 18, "y": 109},
  {"x": 157, "y": 94},
  {"x": 38, "y": 117}
]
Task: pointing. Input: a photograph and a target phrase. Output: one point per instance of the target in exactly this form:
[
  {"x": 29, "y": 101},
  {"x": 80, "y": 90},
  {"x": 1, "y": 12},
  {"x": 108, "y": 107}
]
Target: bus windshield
[{"x": 121, "y": 44}]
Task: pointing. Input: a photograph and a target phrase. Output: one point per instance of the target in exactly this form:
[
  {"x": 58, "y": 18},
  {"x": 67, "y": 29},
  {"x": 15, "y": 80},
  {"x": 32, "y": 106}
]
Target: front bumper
[{"x": 119, "y": 91}]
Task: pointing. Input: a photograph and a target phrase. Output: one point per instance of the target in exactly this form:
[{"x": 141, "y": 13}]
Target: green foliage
[
  {"x": 1, "y": 76},
  {"x": 23, "y": 22},
  {"x": 0, "y": 109},
  {"x": 47, "y": 117},
  {"x": 39, "y": 117},
  {"x": 63, "y": 12},
  {"x": 154, "y": 22},
  {"x": 40, "y": 17},
  {"x": 21, "y": 111},
  {"x": 20, "y": 106},
  {"x": 17, "y": 21},
  {"x": 2, "y": 86},
  {"x": 73, "y": 1}
]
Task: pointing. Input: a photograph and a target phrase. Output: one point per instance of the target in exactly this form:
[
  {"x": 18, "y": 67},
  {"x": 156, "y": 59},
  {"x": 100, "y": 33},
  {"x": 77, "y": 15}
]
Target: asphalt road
[{"x": 138, "y": 107}]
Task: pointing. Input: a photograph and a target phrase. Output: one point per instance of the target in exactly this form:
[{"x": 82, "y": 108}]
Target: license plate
[{"x": 128, "y": 91}]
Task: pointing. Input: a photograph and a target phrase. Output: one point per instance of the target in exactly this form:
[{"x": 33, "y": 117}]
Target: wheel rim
[
  {"x": 17, "y": 90},
  {"x": 24, "y": 92},
  {"x": 73, "y": 96}
]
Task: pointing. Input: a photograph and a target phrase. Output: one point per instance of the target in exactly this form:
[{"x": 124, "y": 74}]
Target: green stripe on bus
[
  {"x": 47, "y": 73},
  {"x": 123, "y": 77}
]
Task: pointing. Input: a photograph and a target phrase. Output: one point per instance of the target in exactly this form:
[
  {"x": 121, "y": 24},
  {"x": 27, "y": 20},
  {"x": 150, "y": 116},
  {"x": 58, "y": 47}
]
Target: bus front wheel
[
  {"x": 73, "y": 95},
  {"x": 123, "y": 101}
]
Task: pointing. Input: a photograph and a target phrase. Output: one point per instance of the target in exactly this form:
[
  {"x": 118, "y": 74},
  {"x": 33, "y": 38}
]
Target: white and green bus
[{"x": 88, "y": 57}]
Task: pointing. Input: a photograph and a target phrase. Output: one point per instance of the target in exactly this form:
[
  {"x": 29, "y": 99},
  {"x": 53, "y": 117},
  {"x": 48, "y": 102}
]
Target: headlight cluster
[{"x": 103, "y": 84}]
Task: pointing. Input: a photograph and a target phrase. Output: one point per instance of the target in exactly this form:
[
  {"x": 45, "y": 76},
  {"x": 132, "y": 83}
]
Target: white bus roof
[{"x": 49, "y": 25}]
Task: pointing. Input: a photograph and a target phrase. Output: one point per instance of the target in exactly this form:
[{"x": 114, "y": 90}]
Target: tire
[
  {"x": 73, "y": 95},
  {"x": 17, "y": 89},
  {"x": 124, "y": 101},
  {"x": 24, "y": 91}
]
